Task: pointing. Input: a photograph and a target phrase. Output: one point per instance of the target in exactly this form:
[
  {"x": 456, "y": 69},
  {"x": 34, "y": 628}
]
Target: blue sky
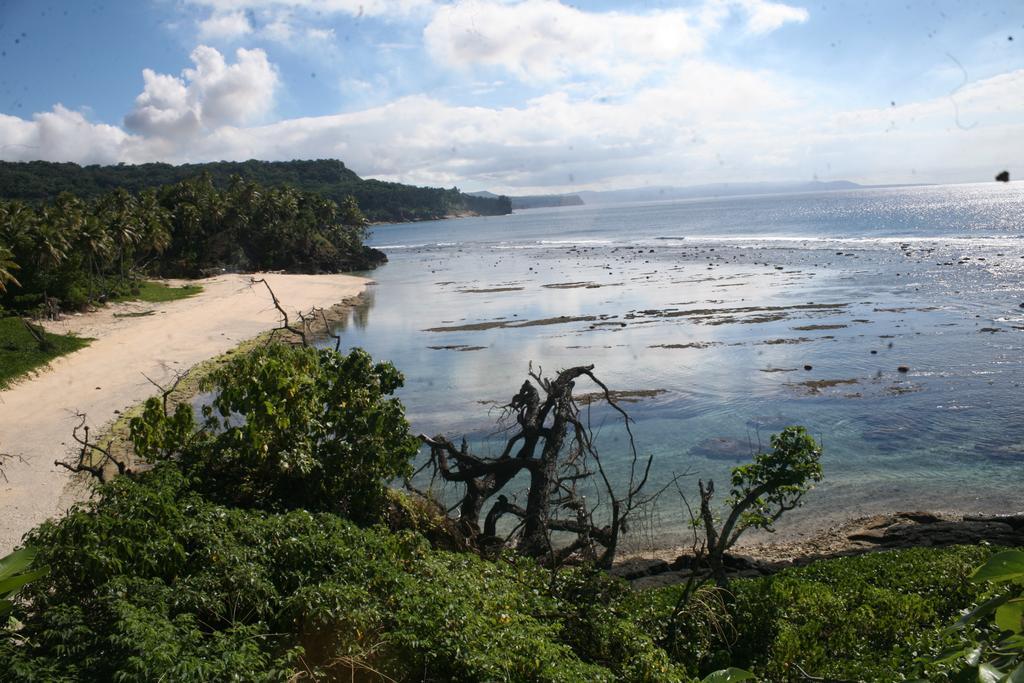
[{"x": 523, "y": 96}]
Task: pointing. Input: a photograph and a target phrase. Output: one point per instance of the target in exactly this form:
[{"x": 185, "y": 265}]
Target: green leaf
[
  {"x": 1010, "y": 617},
  {"x": 730, "y": 675},
  {"x": 1005, "y": 566},
  {"x": 16, "y": 562},
  {"x": 1017, "y": 675},
  {"x": 11, "y": 584},
  {"x": 989, "y": 674},
  {"x": 982, "y": 610},
  {"x": 950, "y": 655}
]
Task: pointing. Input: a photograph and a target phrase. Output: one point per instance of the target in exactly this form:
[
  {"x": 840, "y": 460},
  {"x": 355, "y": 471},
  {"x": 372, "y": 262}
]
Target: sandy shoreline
[{"x": 109, "y": 376}]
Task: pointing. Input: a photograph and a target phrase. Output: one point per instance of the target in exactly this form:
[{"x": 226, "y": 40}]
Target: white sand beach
[{"x": 37, "y": 414}]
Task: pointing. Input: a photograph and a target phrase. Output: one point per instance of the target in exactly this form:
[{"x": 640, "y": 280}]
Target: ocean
[{"x": 729, "y": 319}]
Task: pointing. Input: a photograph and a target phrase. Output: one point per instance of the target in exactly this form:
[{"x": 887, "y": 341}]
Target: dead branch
[
  {"x": 86, "y": 460},
  {"x": 547, "y": 441},
  {"x": 4, "y": 457},
  {"x": 38, "y": 334},
  {"x": 285, "y": 323}
]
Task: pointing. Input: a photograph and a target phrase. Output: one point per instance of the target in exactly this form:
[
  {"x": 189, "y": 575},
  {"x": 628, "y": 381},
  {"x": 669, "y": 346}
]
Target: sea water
[{"x": 732, "y": 318}]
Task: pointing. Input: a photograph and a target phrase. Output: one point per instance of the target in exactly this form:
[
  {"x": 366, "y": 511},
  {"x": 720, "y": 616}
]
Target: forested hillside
[{"x": 38, "y": 181}]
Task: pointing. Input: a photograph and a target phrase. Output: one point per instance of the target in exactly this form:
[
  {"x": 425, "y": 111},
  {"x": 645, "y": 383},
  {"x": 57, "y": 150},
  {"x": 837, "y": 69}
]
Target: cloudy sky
[{"x": 521, "y": 96}]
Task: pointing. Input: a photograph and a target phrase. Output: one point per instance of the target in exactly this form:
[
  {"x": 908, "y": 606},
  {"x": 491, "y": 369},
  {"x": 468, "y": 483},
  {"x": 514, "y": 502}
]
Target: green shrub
[
  {"x": 601, "y": 626},
  {"x": 154, "y": 581},
  {"x": 290, "y": 428},
  {"x": 874, "y": 617},
  {"x": 991, "y": 636}
]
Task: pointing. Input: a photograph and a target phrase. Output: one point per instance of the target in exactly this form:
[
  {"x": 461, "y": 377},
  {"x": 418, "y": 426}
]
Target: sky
[{"x": 524, "y": 96}]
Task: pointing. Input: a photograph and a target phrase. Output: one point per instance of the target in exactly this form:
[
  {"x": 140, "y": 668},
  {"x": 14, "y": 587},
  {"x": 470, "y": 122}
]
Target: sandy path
[{"x": 37, "y": 415}]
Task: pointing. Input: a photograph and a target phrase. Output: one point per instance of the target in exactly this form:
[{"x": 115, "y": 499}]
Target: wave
[{"x": 989, "y": 240}]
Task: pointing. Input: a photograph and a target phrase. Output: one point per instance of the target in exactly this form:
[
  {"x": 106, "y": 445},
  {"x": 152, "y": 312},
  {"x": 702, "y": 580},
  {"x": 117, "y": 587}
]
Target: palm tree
[
  {"x": 154, "y": 224},
  {"x": 120, "y": 212},
  {"x": 95, "y": 245},
  {"x": 51, "y": 248},
  {"x": 7, "y": 268}
]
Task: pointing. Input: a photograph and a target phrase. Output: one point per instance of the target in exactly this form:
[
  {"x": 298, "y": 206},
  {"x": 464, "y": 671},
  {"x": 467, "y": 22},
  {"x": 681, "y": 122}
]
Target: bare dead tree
[
  {"x": 91, "y": 457},
  {"x": 552, "y": 445},
  {"x": 285, "y": 322},
  {"x": 306, "y": 320},
  {"x": 96, "y": 460}
]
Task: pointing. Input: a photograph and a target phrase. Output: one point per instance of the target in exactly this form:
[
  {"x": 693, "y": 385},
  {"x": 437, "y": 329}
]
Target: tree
[
  {"x": 553, "y": 447},
  {"x": 761, "y": 492},
  {"x": 7, "y": 268}
]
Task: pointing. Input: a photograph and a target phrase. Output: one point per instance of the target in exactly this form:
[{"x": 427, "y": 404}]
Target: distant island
[
  {"x": 659, "y": 193},
  {"x": 667, "y": 193},
  {"x": 42, "y": 181},
  {"x": 535, "y": 201}
]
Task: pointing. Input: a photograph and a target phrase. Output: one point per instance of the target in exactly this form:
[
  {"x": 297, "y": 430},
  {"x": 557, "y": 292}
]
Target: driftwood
[
  {"x": 552, "y": 445},
  {"x": 91, "y": 458}
]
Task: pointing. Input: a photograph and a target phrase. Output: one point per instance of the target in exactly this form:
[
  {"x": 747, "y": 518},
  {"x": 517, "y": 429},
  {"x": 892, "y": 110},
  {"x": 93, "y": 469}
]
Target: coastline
[
  {"x": 858, "y": 535},
  {"x": 133, "y": 341}
]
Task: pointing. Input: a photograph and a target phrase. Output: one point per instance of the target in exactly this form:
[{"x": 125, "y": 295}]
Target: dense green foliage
[
  {"x": 76, "y": 251},
  {"x": 319, "y": 431},
  {"x": 21, "y": 353},
  {"x": 155, "y": 581},
  {"x": 215, "y": 563},
  {"x": 877, "y": 617},
  {"x": 255, "y": 548},
  {"x": 37, "y": 181},
  {"x": 992, "y": 634}
]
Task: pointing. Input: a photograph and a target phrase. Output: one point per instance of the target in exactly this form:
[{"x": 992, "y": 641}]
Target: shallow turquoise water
[{"x": 753, "y": 289}]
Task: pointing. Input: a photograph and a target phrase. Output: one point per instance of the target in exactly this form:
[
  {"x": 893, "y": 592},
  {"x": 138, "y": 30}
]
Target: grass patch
[
  {"x": 20, "y": 353},
  {"x": 157, "y": 292}
]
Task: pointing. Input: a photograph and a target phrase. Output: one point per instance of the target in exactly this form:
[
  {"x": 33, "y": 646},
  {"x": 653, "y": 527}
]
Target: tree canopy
[{"x": 43, "y": 181}]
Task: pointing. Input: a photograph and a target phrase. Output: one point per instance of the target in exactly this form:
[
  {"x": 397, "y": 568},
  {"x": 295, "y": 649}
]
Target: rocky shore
[{"x": 858, "y": 536}]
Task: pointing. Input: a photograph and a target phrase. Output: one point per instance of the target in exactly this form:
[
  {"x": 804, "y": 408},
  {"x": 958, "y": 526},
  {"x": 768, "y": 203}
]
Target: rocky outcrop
[{"x": 859, "y": 536}]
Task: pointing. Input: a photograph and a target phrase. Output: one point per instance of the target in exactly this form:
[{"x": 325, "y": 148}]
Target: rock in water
[{"x": 722, "y": 448}]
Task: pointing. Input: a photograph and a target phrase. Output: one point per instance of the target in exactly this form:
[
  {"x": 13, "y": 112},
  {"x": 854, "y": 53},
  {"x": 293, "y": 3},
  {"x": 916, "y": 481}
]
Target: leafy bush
[
  {"x": 152, "y": 581},
  {"x": 290, "y": 428},
  {"x": 600, "y": 626},
  {"x": 874, "y": 617},
  {"x": 991, "y": 647}
]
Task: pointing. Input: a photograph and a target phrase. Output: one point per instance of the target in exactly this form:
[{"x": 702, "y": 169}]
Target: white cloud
[
  {"x": 546, "y": 40},
  {"x": 765, "y": 17},
  {"x": 702, "y": 122},
  {"x": 225, "y": 26},
  {"x": 279, "y": 30},
  {"x": 209, "y": 95},
  {"x": 375, "y": 8},
  {"x": 320, "y": 34},
  {"x": 61, "y": 135}
]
